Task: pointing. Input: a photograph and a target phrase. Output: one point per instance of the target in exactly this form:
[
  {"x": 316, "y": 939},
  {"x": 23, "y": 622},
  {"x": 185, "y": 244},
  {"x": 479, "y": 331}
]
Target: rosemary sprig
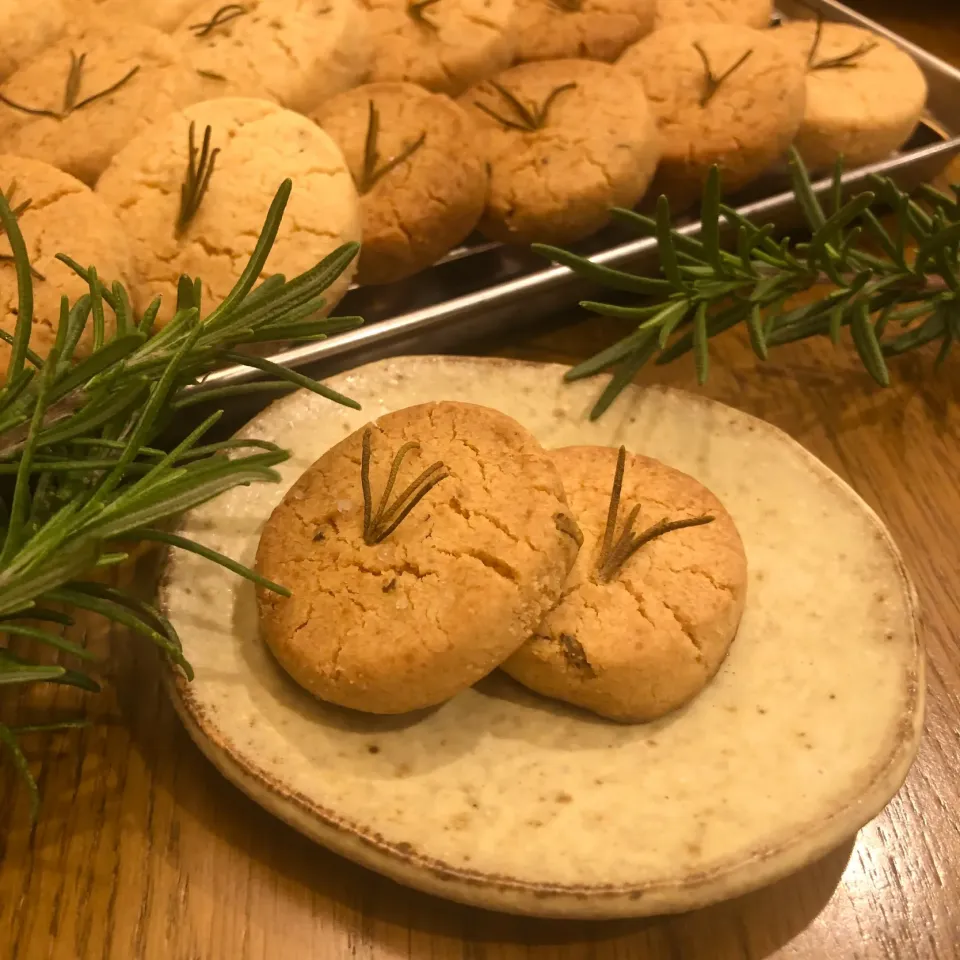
[
  {"x": 81, "y": 441},
  {"x": 418, "y": 12},
  {"x": 224, "y": 15},
  {"x": 845, "y": 61},
  {"x": 615, "y": 550},
  {"x": 19, "y": 209},
  {"x": 372, "y": 171},
  {"x": 892, "y": 303},
  {"x": 197, "y": 178},
  {"x": 71, "y": 91},
  {"x": 379, "y": 524},
  {"x": 529, "y": 120},
  {"x": 712, "y": 81}
]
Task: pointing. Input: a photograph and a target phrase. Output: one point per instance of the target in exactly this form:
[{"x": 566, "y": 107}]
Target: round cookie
[
  {"x": 259, "y": 144},
  {"x": 749, "y": 13},
  {"x": 63, "y": 216},
  {"x": 592, "y": 29},
  {"x": 129, "y": 77},
  {"x": 416, "y": 210},
  {"x": 296, "y": 52},
  {"x": 566, "y": 141},
  {"x": 23, "y": 36},
  {"x": 443, "y": 45},
  {"x": 390, "y": 624},
  {"x": 722, "y": 94},
  {"x": 865, "y": 95},
  {"x": 635, "y": 642}
]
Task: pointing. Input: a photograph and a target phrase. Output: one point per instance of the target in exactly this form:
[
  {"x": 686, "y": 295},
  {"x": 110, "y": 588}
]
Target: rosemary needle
[
  {"x": 372, "y": 172},
  {"x": 220, "y": 17},
  {"x": 713, "y": 82},
  {"x": 197, "y": 178},
  {"x": 845, "y": 61},
  {"x": 529, "y": 120}
]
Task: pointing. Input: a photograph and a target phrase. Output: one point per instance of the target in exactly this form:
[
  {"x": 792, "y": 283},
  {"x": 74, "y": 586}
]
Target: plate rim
[{"x": 401, "y": 862}]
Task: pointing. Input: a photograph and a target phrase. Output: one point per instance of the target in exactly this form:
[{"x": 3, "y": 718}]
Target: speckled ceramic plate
[{"x": 511, "y": 802}]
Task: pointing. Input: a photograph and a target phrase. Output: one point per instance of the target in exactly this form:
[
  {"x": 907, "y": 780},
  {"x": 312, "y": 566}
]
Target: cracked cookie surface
[
  {"x": 750, "y": 13},
  {"x": 649, "y": 640},
  {"x": 260, "y": 144},
  {"x": 597, "y": 148},
  {"x": 425, "y": 206},
  {"x": 23, "y": 37},
  {"x": 743, "y": 126},
  {"x": 458, "y": 586}
]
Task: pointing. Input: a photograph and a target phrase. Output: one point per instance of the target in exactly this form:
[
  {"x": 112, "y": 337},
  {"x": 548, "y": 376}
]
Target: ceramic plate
[{"x": 508, "y": 801}]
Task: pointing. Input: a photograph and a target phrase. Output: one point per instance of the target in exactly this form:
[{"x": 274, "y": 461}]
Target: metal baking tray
[{"x": 483, "y": 289}]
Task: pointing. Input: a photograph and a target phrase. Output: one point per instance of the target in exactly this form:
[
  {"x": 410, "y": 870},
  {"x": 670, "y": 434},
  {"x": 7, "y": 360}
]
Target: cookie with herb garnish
[
  {"x": 444, "y": 45},
  {"x": 723, "y": 95},
  {"x": 592, "y": 29},
  {"x": 865, "y": 96},
  {"x": 79, "y": 101},
  {"x": 23, "y": 36},
  {"x": 295, "y": 52},
  {"x": 420, "y": 552},
  {"x": 416, "y": 159},
  {"x": 654, "y": 599},
  {"x": 57, "y": 214},
  {"x": 750, "y": 13},
  {"x": 566, "y": 140},
  {"x": 193, "y": 191}
]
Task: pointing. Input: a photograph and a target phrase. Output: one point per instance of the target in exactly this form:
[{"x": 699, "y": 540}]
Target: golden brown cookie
[
  {"x": 750, "y": 13},
  {"x": 865, "y": 96},
  {"x": 294, "y": 52},
  {"x": 722, "y": 94},
  {"x": 259, "y": 144},
  {"x": 592, "y": 29},
  {"x": 389, "y": 624},
  {"x": 94, "y": 90},
  {"x": 63, "y": 216},
  {"x": 416, "y": 160},
  {"x": 636, "y": 641},
  {"x": 444, "y": 45},
  {"x": 23, "y": 36},
  {"x": 566, "y": 141}
]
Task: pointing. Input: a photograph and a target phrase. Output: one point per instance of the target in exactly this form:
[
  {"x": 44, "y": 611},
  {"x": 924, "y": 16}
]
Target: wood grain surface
[{"x": 143, "y": 850}]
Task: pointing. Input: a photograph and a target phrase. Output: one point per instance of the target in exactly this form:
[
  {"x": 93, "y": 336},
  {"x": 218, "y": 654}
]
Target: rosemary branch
[
  {"x": 615, "y": 550},
  {"x": 372, "y": 172},
  {"x": 379, "y": 524},
  {"x": 220, "y": 17},
  {"x": 845, "y": 61},
  {"x": 712, "y": 81},
  {"x": 71, "y": 91},
  {"x": 529, "y": 119},
  {"x": 890, "y": 302},
  {"x": 197, "y": 178}
]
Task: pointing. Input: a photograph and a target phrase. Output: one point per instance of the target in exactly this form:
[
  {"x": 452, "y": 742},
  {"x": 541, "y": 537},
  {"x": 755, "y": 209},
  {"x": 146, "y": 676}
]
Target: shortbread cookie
[
  {"x": 96, "y": 89},
  {"x": 417, "y": 209},
  {"x": 392, "y": 621},
  {"x": 865, "y": 96},
  {"x": 634, "y": 642},
  {"x": 63, "y": 216},
  {"x": 259, "y": 145},
  {"x": 295, "y": 52},
  {"x": 566, "y": 141},
  {"x": 23, "y": 36},
  {"x": 725, "y": 95},
  {"x": 444, "y": 45},
  {"x": 592, "y": 29},
  {"x": 750, "y": 13}
]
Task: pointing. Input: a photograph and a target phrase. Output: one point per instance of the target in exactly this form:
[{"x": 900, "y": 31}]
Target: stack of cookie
[
  {"x": 409, "y": 124},
  {"x": 443, "y": 541}
]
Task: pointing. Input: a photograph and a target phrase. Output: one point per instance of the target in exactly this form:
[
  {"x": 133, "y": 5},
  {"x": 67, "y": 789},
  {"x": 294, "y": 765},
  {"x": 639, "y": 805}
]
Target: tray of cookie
[{"x": 446, "y": 135}]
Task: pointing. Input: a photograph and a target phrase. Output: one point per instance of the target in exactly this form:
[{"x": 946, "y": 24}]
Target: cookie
[
  {"x": 295, "y": 52},
  {"x": 22, "y": 37},
  {"x": 443, "y": 45},
  {"x": 96, "y": 90},
  {"x": 749, "y": 13},
  {"x": 63, "y": 216},
  {"x": 725, "y": 95},
  {"x": 635, "y": 641},
  {"x": 389, "y": 621},
  {"x": 566, "y": 141},
  {"x": 865, "y": 96},
  {"x": 258, "y": 145},
  {"x": 416, "y": 160},
  {"x": 592, "y": 29}
]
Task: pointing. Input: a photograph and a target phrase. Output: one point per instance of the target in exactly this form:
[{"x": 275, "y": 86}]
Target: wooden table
[{"x": 143, "y": 850}]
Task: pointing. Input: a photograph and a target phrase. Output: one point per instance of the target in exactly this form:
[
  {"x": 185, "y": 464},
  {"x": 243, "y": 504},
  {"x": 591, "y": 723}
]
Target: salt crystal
[
  {"x": 402, "y": 603},
  {"x": 344, "y": 505}
]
